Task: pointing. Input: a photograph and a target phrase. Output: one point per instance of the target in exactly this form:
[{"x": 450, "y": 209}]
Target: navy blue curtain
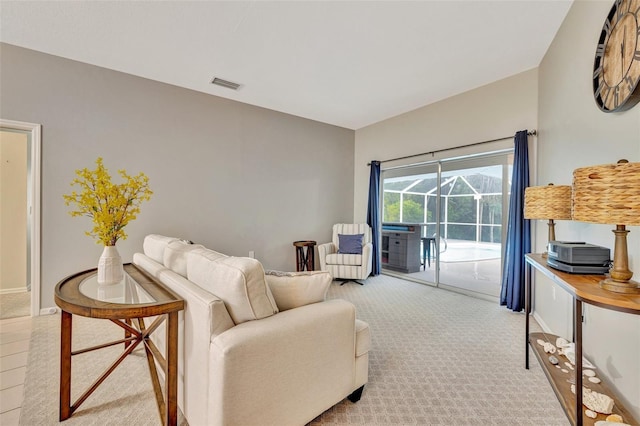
[
  {"x": 518, "y": 230},
  {"x": 373, "y": 214}
]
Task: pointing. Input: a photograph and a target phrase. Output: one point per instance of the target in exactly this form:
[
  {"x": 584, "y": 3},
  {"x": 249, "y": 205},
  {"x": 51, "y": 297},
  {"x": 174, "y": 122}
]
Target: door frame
[{"x": 35, "y": 142}]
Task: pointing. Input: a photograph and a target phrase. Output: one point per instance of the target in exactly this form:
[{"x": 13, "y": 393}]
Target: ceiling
[{"x": 347, "y": 63}]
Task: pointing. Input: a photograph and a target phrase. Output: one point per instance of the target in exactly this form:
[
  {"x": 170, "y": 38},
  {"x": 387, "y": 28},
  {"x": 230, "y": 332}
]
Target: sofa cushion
[
  {"x": 154, "y": 245},
  {"x": 294, "y": 289},
  {"x": 175, "y": 256},
  {"x": 350, "y": 244},
  {"x": 344, "y": 259},
  {"x": 238, "y": 281}
]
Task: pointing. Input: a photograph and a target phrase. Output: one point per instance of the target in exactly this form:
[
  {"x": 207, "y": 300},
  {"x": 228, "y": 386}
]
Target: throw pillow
[
  {"x": 294, "y": 289},
  {"x": 350, "y": 244}
]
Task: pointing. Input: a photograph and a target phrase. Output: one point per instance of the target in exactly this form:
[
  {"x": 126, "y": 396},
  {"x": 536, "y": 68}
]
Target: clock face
[{"x": 616, "y": 69}]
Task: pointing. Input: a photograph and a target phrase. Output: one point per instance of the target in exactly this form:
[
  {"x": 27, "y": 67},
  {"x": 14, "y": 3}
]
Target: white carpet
[{"x": 437, "y": 358}]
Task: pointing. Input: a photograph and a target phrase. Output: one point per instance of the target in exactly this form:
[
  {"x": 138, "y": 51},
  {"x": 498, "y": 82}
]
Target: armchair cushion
[
  {"x": 294, "y": 289},
  {"x": 350, "y": 243},
  {"x": 344, "y": 259}
]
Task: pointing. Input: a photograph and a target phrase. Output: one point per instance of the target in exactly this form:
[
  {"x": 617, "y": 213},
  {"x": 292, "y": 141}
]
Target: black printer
[{"x": 578, "y": 257}]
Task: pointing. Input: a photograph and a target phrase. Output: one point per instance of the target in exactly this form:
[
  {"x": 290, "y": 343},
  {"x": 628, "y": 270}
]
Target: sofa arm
[
  {"x": 204, "y": 316},
  {"x": 284, "y": 369},
  {"x": 324, "y": 250},
  {"x": 294, "y": 289}
]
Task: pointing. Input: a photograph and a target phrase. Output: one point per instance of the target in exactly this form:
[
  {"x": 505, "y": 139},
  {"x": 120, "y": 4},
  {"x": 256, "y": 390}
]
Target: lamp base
[{"x": 626, "y": 287}]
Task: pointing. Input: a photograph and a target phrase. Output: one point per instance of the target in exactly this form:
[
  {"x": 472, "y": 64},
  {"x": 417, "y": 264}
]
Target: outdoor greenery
[{"x": 462, "y": 194}]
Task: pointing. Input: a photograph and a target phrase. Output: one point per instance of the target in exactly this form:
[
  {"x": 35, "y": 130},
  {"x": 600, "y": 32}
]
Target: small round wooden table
[{"x": 305, "y": 259}]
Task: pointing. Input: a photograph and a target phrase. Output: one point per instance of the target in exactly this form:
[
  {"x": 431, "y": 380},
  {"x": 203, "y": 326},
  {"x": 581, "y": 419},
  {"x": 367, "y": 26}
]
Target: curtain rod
[{"x": 529, "y": 133}]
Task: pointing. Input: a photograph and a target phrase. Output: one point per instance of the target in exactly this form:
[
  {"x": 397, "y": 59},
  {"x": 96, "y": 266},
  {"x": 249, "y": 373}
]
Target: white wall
[
  {"x": 493, "y": 111},
  {"x": 229, "y": 175},
  {"x": 13, "y": 212},
  {"x": 574, "y": 133}
]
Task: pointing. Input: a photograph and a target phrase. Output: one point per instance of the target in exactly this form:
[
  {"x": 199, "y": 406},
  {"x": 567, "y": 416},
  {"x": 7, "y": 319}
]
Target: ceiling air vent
[{"x": 225, "y": 83}]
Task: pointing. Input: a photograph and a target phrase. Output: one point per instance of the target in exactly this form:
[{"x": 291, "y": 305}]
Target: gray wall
[
  {"x": 231, "y": 176},
  {"x": 574, "y": 133}
]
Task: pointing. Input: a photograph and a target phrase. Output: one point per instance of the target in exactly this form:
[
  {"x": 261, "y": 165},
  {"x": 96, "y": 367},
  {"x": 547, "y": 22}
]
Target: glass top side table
[{"x": 126, "y": 304}]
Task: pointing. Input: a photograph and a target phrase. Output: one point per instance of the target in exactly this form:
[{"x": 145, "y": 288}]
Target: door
[
  {"x": 20, "y": 215},
  {"x": 461, "y": 206}
]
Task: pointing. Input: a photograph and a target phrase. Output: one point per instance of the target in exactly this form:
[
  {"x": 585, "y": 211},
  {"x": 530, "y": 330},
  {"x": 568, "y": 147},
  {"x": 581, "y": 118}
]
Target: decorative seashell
[
  {"x": 541, "y": 342},
  {"x": 557, "y": 366},
  {"x": 589, "y": 373},
  {"x": 553, "y": 360},
  {"x": 594, "y": 380},
  {"x": 569, "y": 366},
  {"x": 549, "y": 348},
  {"x": 561, "y": 342},
  {"x": 591, "y": 414},
  {"x": 614, "y": 418},
  {"x": 564, "y": 370}
]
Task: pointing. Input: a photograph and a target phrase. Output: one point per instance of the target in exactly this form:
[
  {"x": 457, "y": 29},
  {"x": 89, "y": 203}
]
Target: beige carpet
[
  {"x": 437, "y": 358},
  {"x": 14, "y": 305}
]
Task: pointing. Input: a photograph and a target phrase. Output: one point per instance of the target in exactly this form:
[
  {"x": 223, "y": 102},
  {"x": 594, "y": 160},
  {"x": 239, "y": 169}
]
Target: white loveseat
[{"x": 256, "y": 348}]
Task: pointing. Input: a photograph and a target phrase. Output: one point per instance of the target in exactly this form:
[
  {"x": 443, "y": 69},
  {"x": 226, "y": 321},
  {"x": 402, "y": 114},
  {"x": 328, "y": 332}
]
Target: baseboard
[
  {"x": 541, "y": 323},
  {"x": 14, "y": 290},
  {"x": 49, "y": 311}
]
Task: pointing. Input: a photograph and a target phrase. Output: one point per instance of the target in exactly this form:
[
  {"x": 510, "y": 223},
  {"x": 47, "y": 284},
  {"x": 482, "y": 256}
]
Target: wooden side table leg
[
  {"x": 171, "y": 379},
  {"x": 127, "y": 333},
  {"x": 311, "y": 263},
  {"x": 65, "y": 366}
]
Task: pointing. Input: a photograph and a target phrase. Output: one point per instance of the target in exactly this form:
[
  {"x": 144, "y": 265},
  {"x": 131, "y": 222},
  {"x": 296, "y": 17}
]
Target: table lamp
[
  {"x": 552, "y": 202},
  {"x": 610, "y": 194}
]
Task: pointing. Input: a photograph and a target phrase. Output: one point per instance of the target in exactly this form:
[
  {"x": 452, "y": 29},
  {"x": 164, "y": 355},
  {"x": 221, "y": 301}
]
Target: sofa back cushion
[
  {"x": 154, "y": 246},
  {"x": 238, "y": 281},
  {"x": 175, "y": 256}
]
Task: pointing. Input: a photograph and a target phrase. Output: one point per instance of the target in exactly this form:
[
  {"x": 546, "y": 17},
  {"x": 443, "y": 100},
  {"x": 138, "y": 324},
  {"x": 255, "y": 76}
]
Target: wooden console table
[
  {"x": 136, "y": 297},
  {"x": 583, "y": 289}
]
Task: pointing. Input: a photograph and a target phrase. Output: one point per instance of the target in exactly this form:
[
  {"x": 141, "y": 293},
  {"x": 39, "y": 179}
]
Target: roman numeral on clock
[
  {"x": 630, "y": 83},
  {"x": 598, "y": 72}
]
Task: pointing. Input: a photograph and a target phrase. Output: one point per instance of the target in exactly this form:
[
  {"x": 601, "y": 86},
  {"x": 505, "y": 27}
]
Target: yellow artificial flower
[{"x": 110, "y": 206}]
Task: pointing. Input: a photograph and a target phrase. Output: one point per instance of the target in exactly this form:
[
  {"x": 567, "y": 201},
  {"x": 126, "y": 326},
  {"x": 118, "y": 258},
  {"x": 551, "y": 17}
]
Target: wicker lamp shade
[
  {"x": 608, "y": 193},
  {"x": 547, "y": 202}
]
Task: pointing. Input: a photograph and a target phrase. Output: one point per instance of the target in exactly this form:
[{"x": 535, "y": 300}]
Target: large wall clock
[{"x": 616, "y": 69}]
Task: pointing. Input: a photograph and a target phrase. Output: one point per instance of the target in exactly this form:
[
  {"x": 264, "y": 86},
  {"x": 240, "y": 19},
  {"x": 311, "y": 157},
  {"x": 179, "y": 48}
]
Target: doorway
[
  {"x": 459, "y": 205},
  {"x": 20, "y": 145}
]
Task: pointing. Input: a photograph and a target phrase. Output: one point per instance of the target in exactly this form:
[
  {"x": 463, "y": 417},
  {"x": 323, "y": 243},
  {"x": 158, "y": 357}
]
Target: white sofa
[{"x": 256, "y": 348}]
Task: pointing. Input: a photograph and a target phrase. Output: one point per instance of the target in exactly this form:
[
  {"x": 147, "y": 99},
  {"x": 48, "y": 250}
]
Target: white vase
[{"x": 110, "y": 270}]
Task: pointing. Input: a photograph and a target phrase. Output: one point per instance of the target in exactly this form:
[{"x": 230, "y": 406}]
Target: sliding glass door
[{"x": 460, "y": 207}]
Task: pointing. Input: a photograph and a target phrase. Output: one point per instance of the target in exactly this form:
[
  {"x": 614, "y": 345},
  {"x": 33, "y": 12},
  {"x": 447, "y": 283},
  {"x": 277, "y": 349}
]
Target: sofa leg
[{"x": 355, "y": 396}]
